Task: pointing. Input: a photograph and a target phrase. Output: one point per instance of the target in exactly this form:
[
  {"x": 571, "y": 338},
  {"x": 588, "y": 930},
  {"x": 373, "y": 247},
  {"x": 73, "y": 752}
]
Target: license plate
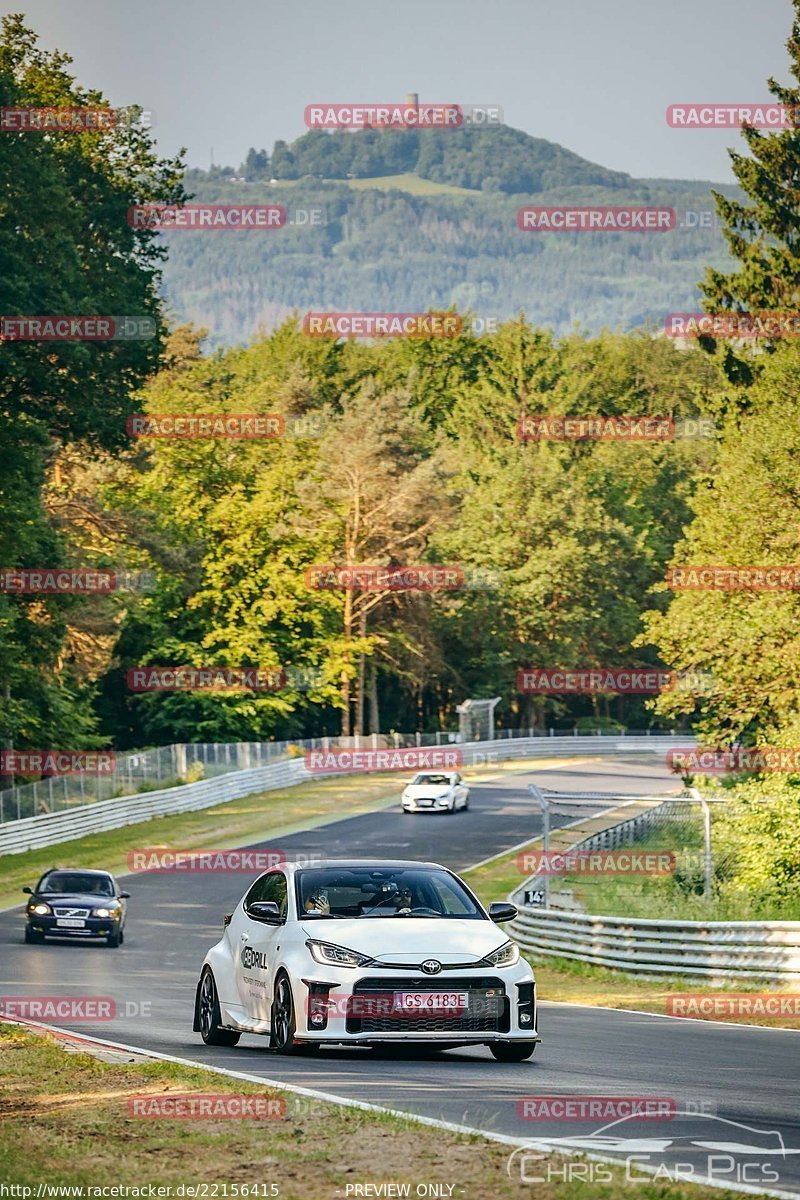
[
  {"x": 431, "y": 1001},
  {"x": 71, "y": 922}
]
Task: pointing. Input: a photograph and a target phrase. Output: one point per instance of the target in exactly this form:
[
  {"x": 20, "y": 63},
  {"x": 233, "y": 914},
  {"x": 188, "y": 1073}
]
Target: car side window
[{"x": 269, "y": 887}]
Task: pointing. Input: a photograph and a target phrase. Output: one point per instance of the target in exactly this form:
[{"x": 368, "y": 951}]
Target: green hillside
[{"x": 428, "y": 220}]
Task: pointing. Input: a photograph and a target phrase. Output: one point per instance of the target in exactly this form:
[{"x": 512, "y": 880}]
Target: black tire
[
  {"x": 282, "y": 1022},
  {"x": 121, "y": 936},
  {"x": 209, "y": 1016},
  {"x": 512, "y": 1052},
  {"x": 33, "y": 937},
  {"x": 113, "y": 940}
]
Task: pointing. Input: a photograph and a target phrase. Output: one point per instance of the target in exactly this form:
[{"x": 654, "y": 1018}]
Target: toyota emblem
[{"x": 431, "y": 966}]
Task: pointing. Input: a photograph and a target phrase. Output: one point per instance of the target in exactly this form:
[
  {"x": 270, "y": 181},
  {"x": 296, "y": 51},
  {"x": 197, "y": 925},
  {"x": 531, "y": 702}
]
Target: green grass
[
  {"x": 409, "y": 182},
  {"x": 238, "y": 823},
  {"x": 76, "y": 1107},
  {"x": 679, "y": 893}
]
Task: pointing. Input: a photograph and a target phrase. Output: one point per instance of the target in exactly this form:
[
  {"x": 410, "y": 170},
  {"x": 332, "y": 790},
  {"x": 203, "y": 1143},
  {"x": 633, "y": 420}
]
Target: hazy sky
[{"x": 594, "y": 75}]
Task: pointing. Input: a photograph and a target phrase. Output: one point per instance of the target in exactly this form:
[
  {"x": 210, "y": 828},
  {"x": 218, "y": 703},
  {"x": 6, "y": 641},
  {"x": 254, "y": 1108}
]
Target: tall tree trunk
[
  {"x": 348, "y": 634},
  {"x": 374, "y": 713},
  {"x": 7, "y": 781},
  {"x": 362, "y": 662}
]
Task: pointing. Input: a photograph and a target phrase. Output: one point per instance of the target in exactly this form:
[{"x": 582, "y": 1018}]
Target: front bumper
[
  {"x": 423, "y": 805},
  {"x": 92, "y": 927},
  {"x": 359, "y": 1006}
]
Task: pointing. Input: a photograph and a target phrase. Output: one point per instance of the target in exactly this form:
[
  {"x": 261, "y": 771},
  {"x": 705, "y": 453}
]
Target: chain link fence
[
  {"x": 691, "y": 863},
  {"x": 187, "y": 762},
  {"x": 182, "y": 762}
]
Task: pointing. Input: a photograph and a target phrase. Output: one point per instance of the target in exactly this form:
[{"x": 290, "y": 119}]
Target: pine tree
[{"x": 763, "y": 233}]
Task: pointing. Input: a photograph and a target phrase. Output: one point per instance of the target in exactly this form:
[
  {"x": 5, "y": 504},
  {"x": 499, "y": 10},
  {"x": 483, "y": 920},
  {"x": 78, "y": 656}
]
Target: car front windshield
[
  {"x": 348, "y": 892},
  {"x": 74, "y": 883},
  {"x": 432, "y": 781}
]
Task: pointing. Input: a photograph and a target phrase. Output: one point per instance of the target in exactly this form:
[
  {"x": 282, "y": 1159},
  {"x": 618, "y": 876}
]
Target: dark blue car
[{"x": 76, "y": 904}]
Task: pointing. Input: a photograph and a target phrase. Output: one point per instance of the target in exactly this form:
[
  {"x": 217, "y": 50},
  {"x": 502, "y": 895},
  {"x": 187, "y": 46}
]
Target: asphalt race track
[{"x": 744, "y": 1082}]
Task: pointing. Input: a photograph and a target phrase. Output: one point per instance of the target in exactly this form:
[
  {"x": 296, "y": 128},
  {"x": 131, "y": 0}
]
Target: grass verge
[{"x": 79, "y": 1107}]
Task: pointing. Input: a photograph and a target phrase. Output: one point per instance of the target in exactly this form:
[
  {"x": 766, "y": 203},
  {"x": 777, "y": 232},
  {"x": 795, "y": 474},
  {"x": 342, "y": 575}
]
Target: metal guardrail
[
  {"x": 49, "y": 829},
  {"x": 651, "y": 946},
  {"x": 711, "y": 949}
]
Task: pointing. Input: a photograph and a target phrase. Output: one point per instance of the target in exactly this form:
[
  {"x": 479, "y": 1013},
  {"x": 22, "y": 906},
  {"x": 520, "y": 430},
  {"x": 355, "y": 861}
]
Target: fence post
[
  {"x": 695, "y": 794},
  {"x": 544, "y": 804}
]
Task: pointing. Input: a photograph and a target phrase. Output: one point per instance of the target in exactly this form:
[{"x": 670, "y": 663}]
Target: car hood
[
  {"x": 73, "y": 899},
  {"x": 409, "y": 939},
  {"x": 418, "y": 790}
]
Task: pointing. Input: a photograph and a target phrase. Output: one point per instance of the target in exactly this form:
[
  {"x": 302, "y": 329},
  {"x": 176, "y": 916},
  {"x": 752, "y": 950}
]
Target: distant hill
[
  {"x": 497, "y": 159},
  {"x": 418, "y": 220}
]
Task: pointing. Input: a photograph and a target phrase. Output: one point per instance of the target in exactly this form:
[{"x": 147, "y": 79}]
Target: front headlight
[
  {"x": 41, "y": 910},
  {"x": 105, "y": 912},
  {"x": 505, "y": 956},
  {"x": 335, "y": 956}
]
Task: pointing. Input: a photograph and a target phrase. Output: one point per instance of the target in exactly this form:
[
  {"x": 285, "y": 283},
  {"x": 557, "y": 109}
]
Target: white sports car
[
  {"x": 436, "y": 791},
  {"x": 367, "y": 952}
]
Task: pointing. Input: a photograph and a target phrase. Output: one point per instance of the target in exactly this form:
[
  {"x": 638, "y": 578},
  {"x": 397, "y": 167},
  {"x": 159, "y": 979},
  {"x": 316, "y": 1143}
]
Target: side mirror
[
  {"x": 501, "y": 911},
  {"x": 226, "y": 920},
  {"x": 28, "y": 891},
  {"x": 266, "y": 911},
  {"x": 124, "y": 896}
]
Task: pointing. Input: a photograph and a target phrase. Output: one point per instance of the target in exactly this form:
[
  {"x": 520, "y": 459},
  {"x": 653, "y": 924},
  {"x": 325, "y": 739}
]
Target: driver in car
[{"x": 318, "y": 902}]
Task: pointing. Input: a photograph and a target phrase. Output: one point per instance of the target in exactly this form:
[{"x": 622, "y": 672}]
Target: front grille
[
  {"x": 488, "y": 1010},
  {"x": 71, "y": 912}
]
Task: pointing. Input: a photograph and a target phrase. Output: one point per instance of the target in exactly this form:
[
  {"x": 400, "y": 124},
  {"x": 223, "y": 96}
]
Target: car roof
[
  {"x": 77, "y": 871},
  {"x": 378, "y": 864}
]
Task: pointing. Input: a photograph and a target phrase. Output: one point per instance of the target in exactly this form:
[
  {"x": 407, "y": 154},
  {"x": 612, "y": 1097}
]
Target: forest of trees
[
  {"x": 394, "y": 452},
  {"x": 400, "y": 251}
]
